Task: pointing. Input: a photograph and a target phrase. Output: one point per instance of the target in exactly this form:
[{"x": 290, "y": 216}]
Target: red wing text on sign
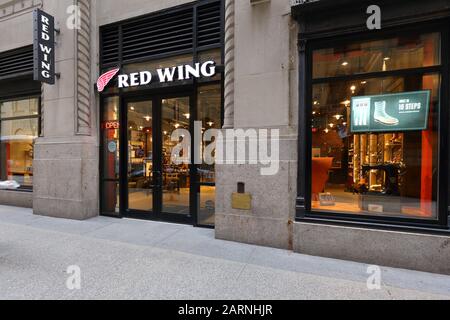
[
  {"x": 44, "y": 47},
  {"x": 179, "y": 73}
]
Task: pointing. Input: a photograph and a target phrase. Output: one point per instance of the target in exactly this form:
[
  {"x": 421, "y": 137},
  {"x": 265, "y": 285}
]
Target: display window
[
  {"x": 375, "y": 136},
  {"x": 19, "y": 127}
]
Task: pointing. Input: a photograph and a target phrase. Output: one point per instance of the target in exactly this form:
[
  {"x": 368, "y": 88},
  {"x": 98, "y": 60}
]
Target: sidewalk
[{"x": 130, "y": 259}]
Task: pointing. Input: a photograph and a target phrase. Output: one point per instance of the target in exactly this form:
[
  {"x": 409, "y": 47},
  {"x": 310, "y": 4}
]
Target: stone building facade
[{"x": 266, "y": 80}]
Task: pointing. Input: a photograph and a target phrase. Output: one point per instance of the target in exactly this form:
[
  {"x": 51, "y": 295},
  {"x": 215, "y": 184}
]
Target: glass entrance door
[
  {"x": 175, "y": 169},
  {"x": 158, "y": 182},
  {"x": 141, "y": 182}
]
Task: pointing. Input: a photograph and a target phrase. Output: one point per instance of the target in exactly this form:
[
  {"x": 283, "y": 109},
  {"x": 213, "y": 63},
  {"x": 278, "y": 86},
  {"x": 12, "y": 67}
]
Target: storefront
[
  {"x": 373, "y": 111},
  {"x": 361, "y": 117},
  {"x": 170, "y": 79}
]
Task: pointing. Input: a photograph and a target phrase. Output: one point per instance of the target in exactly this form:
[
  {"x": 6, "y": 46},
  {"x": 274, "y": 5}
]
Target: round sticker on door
[{"x": 112, "y": 146}]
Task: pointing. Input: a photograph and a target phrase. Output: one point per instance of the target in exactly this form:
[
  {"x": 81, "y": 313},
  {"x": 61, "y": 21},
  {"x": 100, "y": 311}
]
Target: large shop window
[
  {"x": 210, "y": 114},
  {"x": 375, "y": 138},
  {"x": 19, "y": 123}
]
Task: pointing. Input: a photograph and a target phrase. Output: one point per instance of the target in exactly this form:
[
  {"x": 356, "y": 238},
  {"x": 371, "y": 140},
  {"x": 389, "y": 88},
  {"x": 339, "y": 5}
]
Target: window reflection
[
  {"x": 209, "y": 113},
  {"x": 140, "y": 156},
  {"x": 175, "y": 176},
  {"x": 412, "y": 51}
]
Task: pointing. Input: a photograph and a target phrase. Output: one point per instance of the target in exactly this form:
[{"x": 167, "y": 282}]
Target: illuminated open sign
[{"x": 111, "y": 125}]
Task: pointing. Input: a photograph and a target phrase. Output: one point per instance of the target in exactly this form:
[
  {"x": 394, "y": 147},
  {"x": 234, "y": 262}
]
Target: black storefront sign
[{"x": 44, "y": 47}]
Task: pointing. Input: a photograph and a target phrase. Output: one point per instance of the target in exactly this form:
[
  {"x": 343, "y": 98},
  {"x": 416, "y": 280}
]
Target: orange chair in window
[{"x": 320, "y": 169}]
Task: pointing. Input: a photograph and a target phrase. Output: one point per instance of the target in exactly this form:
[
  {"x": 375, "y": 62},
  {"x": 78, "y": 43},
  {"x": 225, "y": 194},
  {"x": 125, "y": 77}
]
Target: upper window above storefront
[
  {"x": 19, "y": 108},
  {"x": 391, "y": 54}
]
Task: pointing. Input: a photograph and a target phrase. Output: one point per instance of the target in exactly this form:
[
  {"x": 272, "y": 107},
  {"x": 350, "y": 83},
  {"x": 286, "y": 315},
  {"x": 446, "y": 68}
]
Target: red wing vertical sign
[
  {"x": 44, "y": 47},
  {"x": 105, "y": 78}
]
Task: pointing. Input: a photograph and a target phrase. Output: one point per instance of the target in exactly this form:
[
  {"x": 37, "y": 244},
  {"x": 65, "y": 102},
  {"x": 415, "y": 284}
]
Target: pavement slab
[{"x": 132, "y": 259}]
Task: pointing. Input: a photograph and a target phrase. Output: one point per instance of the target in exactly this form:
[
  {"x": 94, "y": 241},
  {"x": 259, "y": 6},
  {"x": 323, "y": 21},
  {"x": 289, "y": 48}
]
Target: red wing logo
[{"x": 105, "y": 78}]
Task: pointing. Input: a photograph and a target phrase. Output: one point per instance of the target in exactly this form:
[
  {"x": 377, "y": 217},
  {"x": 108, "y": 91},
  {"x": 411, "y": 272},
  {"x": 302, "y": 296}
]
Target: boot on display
[{"x": 382, "y": 117}]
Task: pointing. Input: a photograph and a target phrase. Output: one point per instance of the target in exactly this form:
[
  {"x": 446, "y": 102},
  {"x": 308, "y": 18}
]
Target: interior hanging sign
[
  {"x": 405, "y": 111},
  {"x": 44, "y": 47},
  {"x": 164, "y": 75}
]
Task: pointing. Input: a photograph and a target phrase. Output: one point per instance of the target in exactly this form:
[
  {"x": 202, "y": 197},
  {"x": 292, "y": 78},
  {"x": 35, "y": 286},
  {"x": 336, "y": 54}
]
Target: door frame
[{"x": 157, "y": 214}]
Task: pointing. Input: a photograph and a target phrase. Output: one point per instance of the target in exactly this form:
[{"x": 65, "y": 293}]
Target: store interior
[
  {"x": 19, "y": 129},
  {"x": 175, "y": 176}
]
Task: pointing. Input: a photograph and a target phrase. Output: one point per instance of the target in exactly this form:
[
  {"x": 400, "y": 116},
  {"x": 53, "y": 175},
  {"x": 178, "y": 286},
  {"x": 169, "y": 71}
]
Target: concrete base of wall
[
  {"x": 267, "y": 232},
  {"x": 66, "y": 178},
  {"x": 429, "y": 253},
  {"x": 16, "y": 198},
  {"x": 268, "y": 222}
]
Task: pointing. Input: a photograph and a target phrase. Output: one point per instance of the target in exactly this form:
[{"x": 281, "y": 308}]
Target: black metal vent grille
[
  {"x": 110, "y": 45},
  {"x": 163, "y": 34},
  {"x": 16, "y": 62},
  {"x": 209, "y": 24}
]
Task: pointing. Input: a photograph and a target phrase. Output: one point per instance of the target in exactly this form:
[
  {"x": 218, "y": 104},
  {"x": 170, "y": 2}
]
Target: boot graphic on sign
[{"x": 382, "y": 117}]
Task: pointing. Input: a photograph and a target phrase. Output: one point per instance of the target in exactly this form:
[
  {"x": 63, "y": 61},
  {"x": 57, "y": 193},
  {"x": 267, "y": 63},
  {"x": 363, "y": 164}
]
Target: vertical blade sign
[{"x": 44, "y": 47}]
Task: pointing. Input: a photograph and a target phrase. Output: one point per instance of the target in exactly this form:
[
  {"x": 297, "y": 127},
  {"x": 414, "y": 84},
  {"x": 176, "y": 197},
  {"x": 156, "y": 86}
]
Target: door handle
[
  {"x": 158, "y": 179},
  {"x": 158, "y": 173}
]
